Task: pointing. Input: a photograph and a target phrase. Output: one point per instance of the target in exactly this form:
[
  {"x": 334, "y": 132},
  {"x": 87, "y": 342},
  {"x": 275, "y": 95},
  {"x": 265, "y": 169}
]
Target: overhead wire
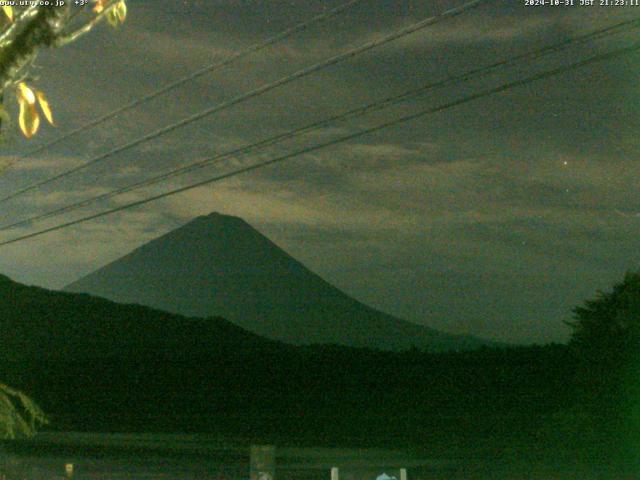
[
  {"x": 254, "y": 48},
  {"x": 485, "y": 93},
  {"x": 254, "y": 93},
  {"x": 369, "y": 108}
]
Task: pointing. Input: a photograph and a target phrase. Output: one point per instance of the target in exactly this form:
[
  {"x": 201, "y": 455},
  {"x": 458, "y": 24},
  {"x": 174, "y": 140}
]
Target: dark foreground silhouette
[{"x": 94, "y": 365}]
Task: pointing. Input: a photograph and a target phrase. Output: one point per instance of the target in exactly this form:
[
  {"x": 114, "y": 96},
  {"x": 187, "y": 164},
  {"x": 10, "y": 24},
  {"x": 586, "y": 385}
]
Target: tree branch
[
  {"x": 69, "y": 37},
  {"x": 23, "y": 18},
  {"x": 42, "y": 30}
]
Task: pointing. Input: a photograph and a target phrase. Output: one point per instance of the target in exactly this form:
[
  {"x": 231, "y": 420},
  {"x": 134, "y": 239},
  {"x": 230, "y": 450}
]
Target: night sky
[{"x": 493, "y": 218}]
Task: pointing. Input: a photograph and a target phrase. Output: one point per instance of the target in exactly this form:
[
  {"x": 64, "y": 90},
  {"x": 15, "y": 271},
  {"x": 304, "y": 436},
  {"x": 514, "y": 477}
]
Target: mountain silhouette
[{"x": 219, "y": 265}]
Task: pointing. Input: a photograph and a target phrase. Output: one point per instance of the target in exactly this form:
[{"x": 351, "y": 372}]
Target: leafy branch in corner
[{"x": 24, "y": 31}]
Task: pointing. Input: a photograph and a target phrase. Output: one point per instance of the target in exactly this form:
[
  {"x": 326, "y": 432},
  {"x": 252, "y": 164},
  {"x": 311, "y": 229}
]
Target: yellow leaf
[
  {"x": 99, "y": 6},
  {"x": 117, "y": 14},
  {"x": 112, "y": 18},
  {"x": 29, "y": 119},
  {"x": 46, "y": 108},
  {"x": 26, "y": 94},
  {"x": 121, "y": 10},
  {"x": 8, "y": 11}
]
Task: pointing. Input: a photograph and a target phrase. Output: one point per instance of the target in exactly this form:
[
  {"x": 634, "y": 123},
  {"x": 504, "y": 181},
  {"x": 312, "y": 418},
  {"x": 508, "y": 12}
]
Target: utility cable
[
  {"x": 485, "y": 93},
  {"x": 256, "y": 47},
  {"x": 253, "y": 93},
  {"x": 366, "y": 109}
]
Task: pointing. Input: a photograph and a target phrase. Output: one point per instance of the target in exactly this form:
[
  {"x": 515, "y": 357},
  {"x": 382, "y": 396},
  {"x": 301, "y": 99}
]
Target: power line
[
  {"x": 256, "y": 47},
  {"x": 371, "y": 107},
  {"x": 485, "y": 93},
  {"x": 254, "y": 93}
]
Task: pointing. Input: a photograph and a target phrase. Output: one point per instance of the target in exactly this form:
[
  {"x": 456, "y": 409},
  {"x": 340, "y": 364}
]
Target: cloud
[
  {"x": 476, "y": 28},
  {"x": 18, "y": 163}
]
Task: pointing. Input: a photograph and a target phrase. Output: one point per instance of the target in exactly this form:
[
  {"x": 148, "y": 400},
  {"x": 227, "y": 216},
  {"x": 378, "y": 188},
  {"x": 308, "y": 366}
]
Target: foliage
[
  {"x": 27, "y": 29},
  {"x": 29, "y": 117},
  {"x": 606, "y": 340},
  {"x": 19, "y": 415},
  {"x": 607, "y": 329}
]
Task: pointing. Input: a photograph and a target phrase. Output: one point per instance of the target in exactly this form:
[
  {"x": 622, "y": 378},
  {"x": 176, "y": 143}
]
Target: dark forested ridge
[
  {"x": 96, "y": 365},
  {"x": 36, "y": 323}
]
